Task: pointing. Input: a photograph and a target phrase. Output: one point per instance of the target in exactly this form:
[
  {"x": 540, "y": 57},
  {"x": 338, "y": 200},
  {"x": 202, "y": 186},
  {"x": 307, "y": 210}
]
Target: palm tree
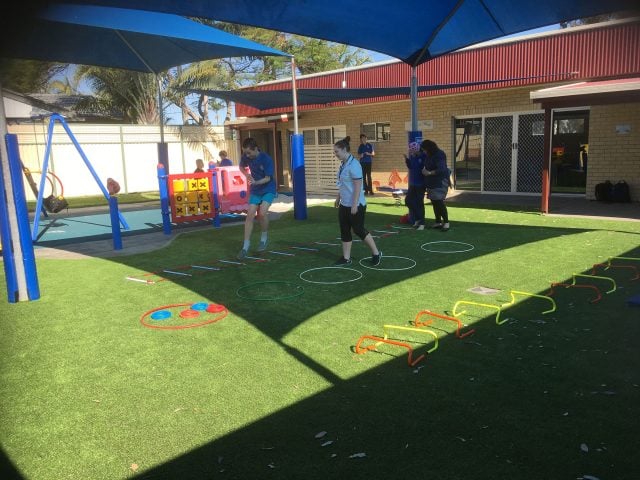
[{"x": 132, "y": 93}]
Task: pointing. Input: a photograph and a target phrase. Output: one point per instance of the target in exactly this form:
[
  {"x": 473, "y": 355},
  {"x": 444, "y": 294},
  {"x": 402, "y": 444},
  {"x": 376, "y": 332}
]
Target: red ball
[{"x": 113, "y": 187}]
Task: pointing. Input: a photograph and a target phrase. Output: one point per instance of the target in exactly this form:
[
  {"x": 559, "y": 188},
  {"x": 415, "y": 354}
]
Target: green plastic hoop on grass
[{"x": 299, "y": 291}]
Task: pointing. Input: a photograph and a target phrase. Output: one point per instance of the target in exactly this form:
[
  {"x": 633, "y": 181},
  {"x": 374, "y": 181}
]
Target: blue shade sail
[
  {"x": 413, "y": 31},
  {"x": 268, "y": 99},
  {"x": 127, "y": 39}
]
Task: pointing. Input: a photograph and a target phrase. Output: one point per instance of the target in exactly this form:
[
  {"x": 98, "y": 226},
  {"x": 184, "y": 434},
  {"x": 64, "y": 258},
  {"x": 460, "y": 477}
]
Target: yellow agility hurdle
[
  {"x": 609, "y": 279},
  {"x": 465, "y": 302},
  {"x": 386, "y": 328},
  {"x": 623, "y": 258},
  {"x": 513, "y": 293}
]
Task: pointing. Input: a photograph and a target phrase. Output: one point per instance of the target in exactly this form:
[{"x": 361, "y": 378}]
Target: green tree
[
  {"x": 134, "y": 94},
  {"x": 312, "y": 56},
  {"x": 596, "y": 19},
  {"x": 65, "y": 85},
  {"x": 28, "y": 76}
]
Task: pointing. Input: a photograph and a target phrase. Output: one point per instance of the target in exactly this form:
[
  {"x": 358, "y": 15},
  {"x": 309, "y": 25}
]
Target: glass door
[
  {"x": 569, "y": 150},
  {"x": 468, "y": 154}
]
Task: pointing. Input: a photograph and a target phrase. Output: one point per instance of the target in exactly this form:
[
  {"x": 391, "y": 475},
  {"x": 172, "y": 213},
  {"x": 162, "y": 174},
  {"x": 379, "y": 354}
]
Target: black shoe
[
  {"x": 436, "y": 225},
  {"x": 343, "y": 261},
  {"x": 375, "y": 259}
]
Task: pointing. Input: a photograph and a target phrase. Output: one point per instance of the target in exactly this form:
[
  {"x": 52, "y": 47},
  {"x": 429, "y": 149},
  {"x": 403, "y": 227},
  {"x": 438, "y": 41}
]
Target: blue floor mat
[{"x": 82, "y": 228}]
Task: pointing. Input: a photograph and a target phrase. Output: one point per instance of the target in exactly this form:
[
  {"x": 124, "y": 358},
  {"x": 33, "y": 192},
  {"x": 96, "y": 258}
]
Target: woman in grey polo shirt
[{"x": 351, "y": 204}]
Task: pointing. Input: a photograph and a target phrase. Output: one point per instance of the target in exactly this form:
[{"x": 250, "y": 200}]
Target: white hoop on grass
[
  {"x": 330, "y": 268},
  {"x": 371, "y": 267},
  {"x": 471, "y": 247}
]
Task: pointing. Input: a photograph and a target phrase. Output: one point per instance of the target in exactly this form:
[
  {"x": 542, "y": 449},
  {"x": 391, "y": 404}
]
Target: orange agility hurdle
[
  {"x": 360, "y": 350},
  {"x": 418, "y": 323},
  {"x": 570, "y": 285},
  {"x": 607, "y": 266},
  {"x": 386, "y": 339}
]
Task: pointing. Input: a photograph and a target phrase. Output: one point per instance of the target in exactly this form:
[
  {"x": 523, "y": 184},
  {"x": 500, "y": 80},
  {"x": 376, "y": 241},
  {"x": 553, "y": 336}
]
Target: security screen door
[{"x": 513, "y": 153}]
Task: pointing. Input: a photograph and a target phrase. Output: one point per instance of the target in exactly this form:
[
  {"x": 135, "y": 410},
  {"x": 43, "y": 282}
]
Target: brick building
[{"x": 494, "y": 134}]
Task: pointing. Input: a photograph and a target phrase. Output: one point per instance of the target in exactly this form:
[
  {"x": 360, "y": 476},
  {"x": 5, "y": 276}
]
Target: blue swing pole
[
  {"x": 43, "y": 177},
  {"x": 45, "y": 164}
]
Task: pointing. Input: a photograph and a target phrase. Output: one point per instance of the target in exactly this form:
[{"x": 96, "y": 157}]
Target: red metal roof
[{"x": 571, "y": 54}]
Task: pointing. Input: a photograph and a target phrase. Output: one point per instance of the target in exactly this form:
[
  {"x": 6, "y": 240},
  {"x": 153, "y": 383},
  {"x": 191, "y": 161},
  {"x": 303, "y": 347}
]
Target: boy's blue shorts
[{"x": 258, "y": 199}]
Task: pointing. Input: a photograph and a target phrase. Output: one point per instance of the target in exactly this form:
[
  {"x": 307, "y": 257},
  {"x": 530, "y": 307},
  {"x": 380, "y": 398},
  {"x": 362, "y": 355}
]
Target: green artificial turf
[{"x": 90, "y": 393}]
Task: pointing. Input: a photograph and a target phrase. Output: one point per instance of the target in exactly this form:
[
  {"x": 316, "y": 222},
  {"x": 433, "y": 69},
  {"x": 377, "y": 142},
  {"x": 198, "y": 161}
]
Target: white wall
[{"x": 127, "y": 153}]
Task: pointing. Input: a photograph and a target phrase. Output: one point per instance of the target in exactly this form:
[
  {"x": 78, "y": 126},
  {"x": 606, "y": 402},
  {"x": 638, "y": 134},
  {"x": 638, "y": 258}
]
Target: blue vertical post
[
  {"x": 299, "y": 180},
  {"x": 163, "y": 156},
  {"x": 7, "y": 247},
  {"x": 115, "y": 223},
  {"x": 215, "y": 201},
  {"x": 20, "y": 201},
  {"x": 164, "y": 199}
]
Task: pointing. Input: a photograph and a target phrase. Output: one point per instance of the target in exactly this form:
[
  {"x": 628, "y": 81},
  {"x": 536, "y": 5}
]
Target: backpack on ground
[
  {"x": 604, "y": 191},
  {"x": 620, "y": 192}
]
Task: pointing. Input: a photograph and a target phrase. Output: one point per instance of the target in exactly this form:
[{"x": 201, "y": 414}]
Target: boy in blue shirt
[
  {"x": 262, "y": 192},
  {"x": 366, "y": 152}
]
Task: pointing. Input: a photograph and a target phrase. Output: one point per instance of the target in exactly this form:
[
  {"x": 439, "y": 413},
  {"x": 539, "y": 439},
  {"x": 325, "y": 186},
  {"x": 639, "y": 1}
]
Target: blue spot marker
[
  {"x": 199, "y": 306},
  {"x": 161, "y": 315}
]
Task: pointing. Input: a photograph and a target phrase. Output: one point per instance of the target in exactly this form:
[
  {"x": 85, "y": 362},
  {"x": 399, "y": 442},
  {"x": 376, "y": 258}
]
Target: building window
[
  {"x": 309, "y": 137},
  {"x": 568, "y": 125},
  {"x": 325, "y": 136},
  {"x": 377, "y": 132}
]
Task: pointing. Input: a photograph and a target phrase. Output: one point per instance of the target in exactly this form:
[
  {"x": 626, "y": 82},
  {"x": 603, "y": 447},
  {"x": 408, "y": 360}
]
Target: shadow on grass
[
  {"x": 505, "y": 403},
  {"x": 513, "y": 401}
]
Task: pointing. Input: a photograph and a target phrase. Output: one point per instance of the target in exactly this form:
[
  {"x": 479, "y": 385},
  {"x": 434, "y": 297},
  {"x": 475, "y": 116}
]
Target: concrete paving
[{"x": 146, "y": 242}]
